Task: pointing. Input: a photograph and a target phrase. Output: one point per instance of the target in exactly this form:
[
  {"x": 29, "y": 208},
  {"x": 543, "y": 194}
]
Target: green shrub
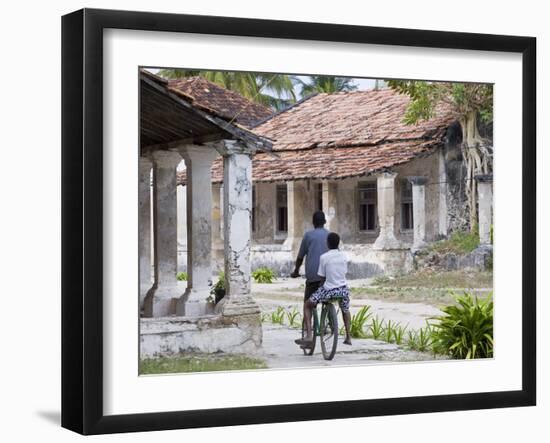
[
  {"x": 182, "y": 276},
  {"x": 263, "y": 275},
  {"x": 220, "y": 284},
  {"x": 466, "y": 329}
]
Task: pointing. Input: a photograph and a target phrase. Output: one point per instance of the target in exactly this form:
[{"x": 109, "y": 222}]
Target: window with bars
[
  {"x": 367, "y": 206},
  {"x": 282, "y": 209},
  {"x": 406, "y": 206}
]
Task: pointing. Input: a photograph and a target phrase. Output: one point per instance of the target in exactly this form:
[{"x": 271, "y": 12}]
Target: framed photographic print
[{"x": 269, "y": 221}]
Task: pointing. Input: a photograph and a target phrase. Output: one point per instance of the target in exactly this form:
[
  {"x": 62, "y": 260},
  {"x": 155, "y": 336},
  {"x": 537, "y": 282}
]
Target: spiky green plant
[
  {"x": 424, "y": 338},
  {"x": 358, "y": 321},
  {"x": 182, "y": 276},
  {"x": 294, "y": 318},
  {"x": 465, "y": 330},
  {"x": 389, "y": 331},
  {"x": 412, "y": 340},
  {"x": 399, "y": 334},
  {"x": 376, "y": 328},
  {"x": 278, "y": 316}
]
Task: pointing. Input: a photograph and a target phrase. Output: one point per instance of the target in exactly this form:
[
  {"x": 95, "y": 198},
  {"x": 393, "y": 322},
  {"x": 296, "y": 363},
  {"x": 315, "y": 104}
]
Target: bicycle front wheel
[{"x": 328, "y": 331}]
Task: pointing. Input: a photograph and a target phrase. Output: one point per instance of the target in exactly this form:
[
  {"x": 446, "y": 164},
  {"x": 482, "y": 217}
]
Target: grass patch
[
  {"x": 199, "y": 363},
  {"x": 438, "y": 280},
  {"x": 460, "y": 242}
]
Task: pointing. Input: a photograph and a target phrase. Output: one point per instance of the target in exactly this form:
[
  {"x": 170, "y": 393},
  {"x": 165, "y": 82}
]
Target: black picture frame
[{"x": 82, "y": 218}]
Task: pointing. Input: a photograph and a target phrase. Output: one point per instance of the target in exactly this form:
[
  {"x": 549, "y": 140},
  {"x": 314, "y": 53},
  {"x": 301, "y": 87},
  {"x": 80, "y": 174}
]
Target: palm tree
[
  {"x": 275, "y": 90},
  {"x": 324, "y": 83}
]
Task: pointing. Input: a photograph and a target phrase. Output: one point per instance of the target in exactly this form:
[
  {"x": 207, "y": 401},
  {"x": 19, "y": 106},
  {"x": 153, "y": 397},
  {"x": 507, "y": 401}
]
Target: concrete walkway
[{"x": 280, "y": 351}]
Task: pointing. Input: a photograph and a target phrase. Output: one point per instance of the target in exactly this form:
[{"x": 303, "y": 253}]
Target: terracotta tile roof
[
  {"x": 335, "y": 136},
  {"x": 227, "y": 104},
  {"x": 349, "y": 119},
  {"x": 327, "y": 163}
]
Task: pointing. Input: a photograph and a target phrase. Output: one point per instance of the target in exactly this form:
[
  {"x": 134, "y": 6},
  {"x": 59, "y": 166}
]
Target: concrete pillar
[
  {"x": 485, "y": 206},
  {"x": 419, "y": 211},
  {"x": 237, "y": 206},
  {"x": 385, "y": 185},
  {"x": 217, "y": 237},
  {"x": 145, "y": 274},
  {"x": 159, "y": 299},
  {"x": 198, "y": 161},
  {"x": 443, "y": 212},
  {"x": 330, "y": 196},
  {"x": 295, "y": 210}
]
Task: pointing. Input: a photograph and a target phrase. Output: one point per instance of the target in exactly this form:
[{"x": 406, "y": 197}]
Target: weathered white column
[
  {"x": 198, "y": 161},
  {"x": 237, "y": 207},
  {"x": 485, "y": 204},
  {"x": 217, "y": 241},
  {"x": 145, "y": 277},
  {"x": 419, "y": 211},
  {"x": 385, "y": 184},
  {"x": 329, "y": 205},
  {"x": 159, "y": 299},
  {"x": 443, "y": 211},
  {"x": 295, "y": 214}
]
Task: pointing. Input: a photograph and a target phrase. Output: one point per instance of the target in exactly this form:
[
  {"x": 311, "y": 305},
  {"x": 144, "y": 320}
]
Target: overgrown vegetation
[
  {"x": 218, "y": 289},
  {"x": 263, "y": 275},
  {"x": 199, "y": 363},
  {"x": 471, "y": 102},
  {"x": 459, "y": 242},
  {"x": 465, "y": 330}
]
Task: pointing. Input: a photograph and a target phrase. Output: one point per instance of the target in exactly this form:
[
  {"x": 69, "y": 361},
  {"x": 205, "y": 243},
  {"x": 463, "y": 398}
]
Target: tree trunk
[{"x": 476, "y": 159}]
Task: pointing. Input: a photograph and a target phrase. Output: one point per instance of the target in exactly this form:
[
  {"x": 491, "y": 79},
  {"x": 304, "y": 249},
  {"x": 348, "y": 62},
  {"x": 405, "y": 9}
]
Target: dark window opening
[
  {"x": 406, "y": 206},
  {"x": 319, "y": 197},
  {"x": 282, "y": 209},
  {"x": 367, "y": 207}
]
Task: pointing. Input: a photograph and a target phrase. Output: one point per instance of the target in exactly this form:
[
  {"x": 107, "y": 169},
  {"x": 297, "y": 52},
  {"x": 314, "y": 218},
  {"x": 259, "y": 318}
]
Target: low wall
[
  {"x": 480, "y": 259},
  {"x": 166, "y": 336},
  {"x": 364, "y": 262}
]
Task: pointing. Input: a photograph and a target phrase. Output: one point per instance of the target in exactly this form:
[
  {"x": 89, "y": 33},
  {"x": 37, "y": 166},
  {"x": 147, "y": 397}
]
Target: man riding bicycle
[{"x": 332, "y": 270}]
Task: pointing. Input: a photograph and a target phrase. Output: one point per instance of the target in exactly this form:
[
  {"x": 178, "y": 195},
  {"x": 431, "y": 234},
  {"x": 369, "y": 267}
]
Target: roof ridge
[{"x": 299, "y": 102}]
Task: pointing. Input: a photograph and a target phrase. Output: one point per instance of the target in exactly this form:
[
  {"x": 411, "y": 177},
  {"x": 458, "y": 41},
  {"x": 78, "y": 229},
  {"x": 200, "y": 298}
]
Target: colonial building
[{"x": 386, "y": 187}]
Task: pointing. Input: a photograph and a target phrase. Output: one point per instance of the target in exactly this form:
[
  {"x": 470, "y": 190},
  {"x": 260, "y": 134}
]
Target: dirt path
[{"x": 289, "y": 294}]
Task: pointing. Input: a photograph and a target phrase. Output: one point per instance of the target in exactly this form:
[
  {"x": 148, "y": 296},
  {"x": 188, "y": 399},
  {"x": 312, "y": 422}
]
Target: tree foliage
[
  {"x": 324, "y": 84},
  {"x": 471, "y": 102},
  {"x": 274, "y": 90}
]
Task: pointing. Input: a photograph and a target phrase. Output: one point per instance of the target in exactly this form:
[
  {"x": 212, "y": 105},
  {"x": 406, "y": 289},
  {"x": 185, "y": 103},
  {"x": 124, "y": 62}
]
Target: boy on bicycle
[{"x": 333, "y": 266}]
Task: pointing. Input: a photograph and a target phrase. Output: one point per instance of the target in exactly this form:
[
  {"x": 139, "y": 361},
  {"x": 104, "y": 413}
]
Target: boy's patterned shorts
[{"x": 341, "y": 293}]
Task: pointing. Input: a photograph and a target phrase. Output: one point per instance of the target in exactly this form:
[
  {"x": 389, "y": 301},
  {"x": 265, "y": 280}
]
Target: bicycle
[{"x": 326, "y": 329}]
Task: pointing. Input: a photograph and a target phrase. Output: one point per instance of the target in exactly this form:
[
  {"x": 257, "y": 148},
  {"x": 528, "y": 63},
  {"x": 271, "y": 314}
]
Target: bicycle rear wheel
[
  {"x": 328, "y": 331},
  {"x": 309, "y": 351}
]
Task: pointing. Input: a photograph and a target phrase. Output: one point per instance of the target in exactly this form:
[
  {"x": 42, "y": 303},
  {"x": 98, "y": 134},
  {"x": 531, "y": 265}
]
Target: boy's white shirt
[{"x": 333, "y": 265}]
